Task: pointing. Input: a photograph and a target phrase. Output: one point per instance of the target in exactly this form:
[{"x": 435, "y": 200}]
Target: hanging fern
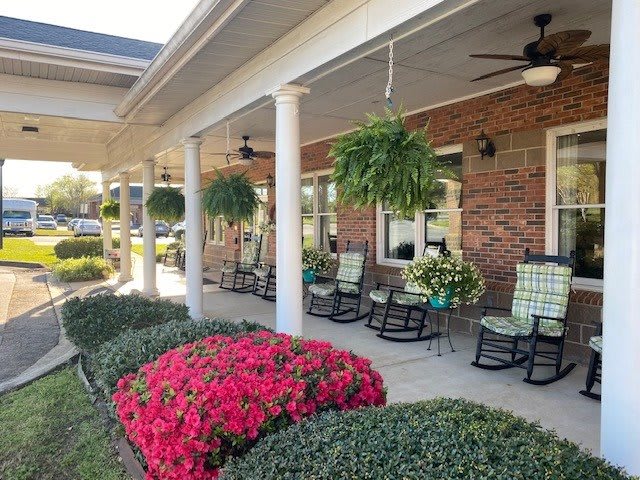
[
  {"x": 233, "y": 197},
  {"x": 110, "y": 210},
  {"x": 165, "y": 203},
  {"x": 381, "y": 161}
]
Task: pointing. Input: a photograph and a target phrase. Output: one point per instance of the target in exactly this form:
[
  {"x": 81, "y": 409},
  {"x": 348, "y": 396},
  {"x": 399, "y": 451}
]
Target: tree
[
  {"x": 9, "y": 191},
  {"x": 67, "y": 193}
]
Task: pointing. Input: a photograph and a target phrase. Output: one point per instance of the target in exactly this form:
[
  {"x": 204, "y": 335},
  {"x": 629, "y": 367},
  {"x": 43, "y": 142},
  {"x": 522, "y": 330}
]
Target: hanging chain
[
  {"x": 389, "y": 90},
  {"x": 228, "y": 143}
]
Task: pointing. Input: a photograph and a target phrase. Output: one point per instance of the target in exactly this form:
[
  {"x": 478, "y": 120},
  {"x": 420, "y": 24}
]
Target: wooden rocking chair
[
  {"x": 239, "y": 276},
  {"x": 595, "y": 365},
  {"x": 538, "y": 319}
]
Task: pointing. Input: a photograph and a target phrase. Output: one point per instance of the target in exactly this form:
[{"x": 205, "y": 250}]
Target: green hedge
[
  {"x": 437, "y": 439},
  {"x": 91, "y": 321},
  {"x": 81, "y": 247},
  {"x": 132, "y": 349},
  {"x": 83, "y": 269}
]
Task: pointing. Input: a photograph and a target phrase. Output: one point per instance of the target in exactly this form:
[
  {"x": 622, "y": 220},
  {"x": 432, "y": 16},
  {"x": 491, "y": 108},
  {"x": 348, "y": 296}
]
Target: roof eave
[{"x": 202, "y": 24}]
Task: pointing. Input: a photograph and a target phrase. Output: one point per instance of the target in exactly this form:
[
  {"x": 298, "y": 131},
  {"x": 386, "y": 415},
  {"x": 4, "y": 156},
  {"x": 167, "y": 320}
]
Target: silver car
[
  {"x": 87, "y": 228},
  {"x": 47, "y": 222}
]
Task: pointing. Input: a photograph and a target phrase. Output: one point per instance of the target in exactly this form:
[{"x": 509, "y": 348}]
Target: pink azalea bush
[{"x": 203, "y": 402}]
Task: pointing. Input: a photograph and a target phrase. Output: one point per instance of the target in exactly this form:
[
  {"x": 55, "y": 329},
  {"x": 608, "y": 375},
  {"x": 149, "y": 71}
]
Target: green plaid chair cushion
[
  {"x": 379, "y": 296},
  {"x": 541, "y": 290},
  {"x": 350, "y": 270},
  {"x": 519, "y": 327},
  {"x": 322, "y": 289},
  {"x": 229, "y": 268},
  {"x": 261, "y": 272},
  {"x": 408, "y": 297},
  {"x": 246, "y": 268},
  {"x": 250, "y": 252},
  {"x": 596, "y": 343}
]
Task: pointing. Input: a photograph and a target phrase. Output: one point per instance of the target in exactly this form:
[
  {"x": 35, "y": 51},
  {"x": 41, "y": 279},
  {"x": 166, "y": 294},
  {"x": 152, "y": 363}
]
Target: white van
[{"x": 19, "y": 216}]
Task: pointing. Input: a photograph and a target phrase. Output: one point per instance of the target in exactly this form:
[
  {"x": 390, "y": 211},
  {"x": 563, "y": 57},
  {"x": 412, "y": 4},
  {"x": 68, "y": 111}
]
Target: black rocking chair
[
  {"x": 240, "y": 276},
  {"x": 265, "y": 282},
  {"x": 538, "y": 319},
  {"x": 340, "y": 299},
  {"x": 396, "y": 311},
  {"x": 595, "y": 365}
]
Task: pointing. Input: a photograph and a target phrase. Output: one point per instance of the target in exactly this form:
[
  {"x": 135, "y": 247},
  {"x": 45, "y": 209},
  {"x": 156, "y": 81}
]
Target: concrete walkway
[
  {"x": 411, "y": 372},
  {"x": 30, "y": 322}
]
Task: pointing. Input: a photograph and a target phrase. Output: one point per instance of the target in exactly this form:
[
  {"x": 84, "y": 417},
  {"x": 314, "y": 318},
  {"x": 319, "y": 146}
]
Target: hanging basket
[
  {"x": 110, "y": 210},
  {"x": 234, "y": 197},
  {"x": 383, "y": 162},
  {"x": 165, "y": 203}
]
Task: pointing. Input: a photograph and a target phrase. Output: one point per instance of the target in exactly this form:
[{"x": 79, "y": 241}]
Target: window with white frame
[
  {"x": 576, "y": 198},
  {"x": 319, "y": 217},
  {"x": 401, "y": 239},
  {"x": 216, "y": 230}
]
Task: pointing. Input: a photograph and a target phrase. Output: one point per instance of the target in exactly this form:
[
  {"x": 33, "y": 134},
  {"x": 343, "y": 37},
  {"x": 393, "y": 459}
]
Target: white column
[
  {"x": 620, "y": 418},
  {"x": 125, "y": 229},
  {"x": 288, "y": 209},
  {"x": 107, "y": 242},
  {"x": 149, "y": 232},
  {"x": 193, "y": 221}
]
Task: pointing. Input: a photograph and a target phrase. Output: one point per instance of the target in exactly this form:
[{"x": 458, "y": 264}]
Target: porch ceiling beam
[
  {"x": 89, "y": 154},
  {"x": 35, "y": 96},
  {"x": 338, "y": 34}
]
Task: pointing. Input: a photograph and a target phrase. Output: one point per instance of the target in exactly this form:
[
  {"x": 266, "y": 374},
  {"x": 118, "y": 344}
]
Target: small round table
[{"x": 446, "y": 313}]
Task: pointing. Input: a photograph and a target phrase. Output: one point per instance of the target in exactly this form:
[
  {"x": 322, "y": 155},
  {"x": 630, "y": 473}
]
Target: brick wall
[{"x": 503, "y": 196}]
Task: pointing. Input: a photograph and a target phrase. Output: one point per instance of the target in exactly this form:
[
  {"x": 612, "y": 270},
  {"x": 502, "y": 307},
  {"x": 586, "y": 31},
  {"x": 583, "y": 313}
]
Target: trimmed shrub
[
  {"x": 429, "y": 440},
  {"x": 199, "y": 404},
  {"x": 91, "y": 321},
  {"x": 132, "y": 349},
  {"x": 83, "y": 269},
  {"x": 81, "y": 247}
]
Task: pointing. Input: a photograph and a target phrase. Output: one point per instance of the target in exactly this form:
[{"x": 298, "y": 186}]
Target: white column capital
[
  {"x": 149, "y": 161},
  {"x": 106, "y": 183},
  {"x": 125, "y": 175},
  {"x": 288, "y": 93},
  {"x": 191, "y": 142}
]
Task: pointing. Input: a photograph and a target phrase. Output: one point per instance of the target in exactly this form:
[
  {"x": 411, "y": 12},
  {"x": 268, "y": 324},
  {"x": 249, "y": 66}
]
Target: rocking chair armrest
[
  {"x": 224, "y": 262},
  {"x": 246, "y": 264},
  {"x": 324, "y": 279},
  {"x": 537, "y": 318},
  {"x": 388, "y": 285},
  {"x": 485, "y": 308},
  {"x": 347, "y": 281}
]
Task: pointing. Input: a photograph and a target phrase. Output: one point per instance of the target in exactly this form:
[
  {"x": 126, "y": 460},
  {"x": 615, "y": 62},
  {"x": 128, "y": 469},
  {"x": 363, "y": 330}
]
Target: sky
[{"x": 151, "y": 20}]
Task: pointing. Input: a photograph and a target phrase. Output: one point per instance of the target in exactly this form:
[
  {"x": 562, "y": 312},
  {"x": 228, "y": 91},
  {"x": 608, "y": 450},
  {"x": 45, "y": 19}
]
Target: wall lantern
[
  {"x": 166, "y": 177},
  {"x": 271, "y": 182},
  {"x": 485, "y": 145}
]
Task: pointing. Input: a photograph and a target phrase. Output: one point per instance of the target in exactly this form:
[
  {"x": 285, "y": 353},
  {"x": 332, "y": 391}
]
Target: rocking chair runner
[
  {"x": 538, "y": 318},
  {"x": 239, "y": 276},
  {"x": 595, "y": 365},
  {"x": 337, "y": 298},
  {"x": 265, "y": 282},
  {"x": 402, "y": 310}
]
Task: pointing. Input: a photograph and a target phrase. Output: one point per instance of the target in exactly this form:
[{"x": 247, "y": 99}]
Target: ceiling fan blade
[
  {"x": 263, "y": 154},
  {"x": 566, "y": 69},
  {"x": 589, "y": 53},
  {"x": 492, "y": 56},
  {"x": 233, "y": 153},
  {"x": 562, "y": 43},
  {"x": 500, "y": 72}
]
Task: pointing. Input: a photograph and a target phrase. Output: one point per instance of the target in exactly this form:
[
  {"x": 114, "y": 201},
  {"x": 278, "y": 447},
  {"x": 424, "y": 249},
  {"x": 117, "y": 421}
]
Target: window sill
[
  {"x": 586, "y": 287},
  {"x": 394, "y": 263}
]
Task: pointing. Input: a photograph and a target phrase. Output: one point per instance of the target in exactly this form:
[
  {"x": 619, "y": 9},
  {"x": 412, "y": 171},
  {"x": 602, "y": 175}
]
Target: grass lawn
[
  {"x": 24, "y": 250},
  {"x": 41, "y": 232},
  {"x": 50, "y": 431},
  {"x": 160, "y": 249}
]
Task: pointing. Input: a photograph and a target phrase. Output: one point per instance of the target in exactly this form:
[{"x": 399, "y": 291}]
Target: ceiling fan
[
  {"x": 551, "y": 58},
  {"x": 245, "y": 154}
]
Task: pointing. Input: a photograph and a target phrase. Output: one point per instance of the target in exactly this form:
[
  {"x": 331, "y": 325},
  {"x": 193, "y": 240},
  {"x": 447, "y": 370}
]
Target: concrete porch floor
[{"x": 411, "y": 372}]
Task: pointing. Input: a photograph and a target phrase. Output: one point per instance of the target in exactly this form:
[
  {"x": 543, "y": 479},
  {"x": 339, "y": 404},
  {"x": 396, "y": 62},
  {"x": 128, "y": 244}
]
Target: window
[
  {"x": 216, "y": 228},
  {"x": 260, "y": 217},
  {"x": 576, "y": 198},
  {"x": 319, "y": 218},
  {"x": 401, "y": 239}
]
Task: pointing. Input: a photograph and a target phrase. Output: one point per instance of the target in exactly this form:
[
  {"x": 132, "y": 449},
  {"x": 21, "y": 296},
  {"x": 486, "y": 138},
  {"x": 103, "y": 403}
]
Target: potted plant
[
  {"x": 165, "y": 203},
  {"x": 381, "y": 161},
  {"x": 234, "y": 197},
  {"x": 110, "y": 210},
  {"x": 445, "y": 280},
  {"x": 314, "y": 261}
]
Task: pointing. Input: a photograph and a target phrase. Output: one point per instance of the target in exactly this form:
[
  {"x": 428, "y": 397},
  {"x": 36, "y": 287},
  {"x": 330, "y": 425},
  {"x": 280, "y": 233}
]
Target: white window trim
[
  {"x": 551, "y": 210},
  {"x": 315, "y": 215},
  {"x": 419, "y": 222},
  {"x": 220, "y": 242}
]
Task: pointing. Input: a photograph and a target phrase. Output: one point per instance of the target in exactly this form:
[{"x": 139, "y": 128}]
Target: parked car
[
  {"x": 86, "y": 228},
  {"x": 18, "y": 216},
  {"x": 61, "y": 218},
  {"x": 162, "y": 229},
  {"x": 47, "y": 222},
  {"x": 72, "y": 223},
  {"x": 180, "y": 226}
]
